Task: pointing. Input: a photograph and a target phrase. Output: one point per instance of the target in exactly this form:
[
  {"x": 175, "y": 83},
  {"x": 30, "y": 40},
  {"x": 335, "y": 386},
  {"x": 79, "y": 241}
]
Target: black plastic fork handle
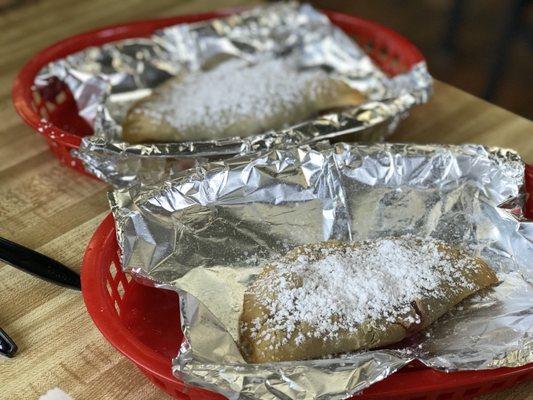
[
  {"x": 38, "y": 264},
  {"x": 8, "y": 347}
]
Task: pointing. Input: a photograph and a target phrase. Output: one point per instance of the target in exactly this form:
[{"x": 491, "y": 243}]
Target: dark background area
[{"x": 481, "y": 46}]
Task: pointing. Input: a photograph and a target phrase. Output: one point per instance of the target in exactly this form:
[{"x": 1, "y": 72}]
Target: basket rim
[
  {"x": 22, "y": 93},
  {"x": 94, "y": 293}
]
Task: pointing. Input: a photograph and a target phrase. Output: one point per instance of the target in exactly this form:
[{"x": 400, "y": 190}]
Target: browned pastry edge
[
  {"x": 138, "y": 127},
  {"x": 368, "y": 336}
]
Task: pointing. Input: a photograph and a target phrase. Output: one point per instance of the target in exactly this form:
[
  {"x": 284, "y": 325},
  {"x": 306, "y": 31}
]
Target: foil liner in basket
[
  {"x": 205, "y": 233},
  {"x": 106, "y": 80}
]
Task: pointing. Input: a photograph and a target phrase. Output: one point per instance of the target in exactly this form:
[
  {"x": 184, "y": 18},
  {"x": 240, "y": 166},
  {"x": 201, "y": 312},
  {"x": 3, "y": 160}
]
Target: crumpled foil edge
[
  {"x": 207, "y": 358},
  {"x": 104, "y": 80}
]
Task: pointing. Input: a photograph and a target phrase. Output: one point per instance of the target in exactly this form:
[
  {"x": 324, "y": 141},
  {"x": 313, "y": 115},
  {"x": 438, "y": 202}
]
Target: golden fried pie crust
[
  {"x": 228, "y": 110},
  {"x": 369, "y": 334}
]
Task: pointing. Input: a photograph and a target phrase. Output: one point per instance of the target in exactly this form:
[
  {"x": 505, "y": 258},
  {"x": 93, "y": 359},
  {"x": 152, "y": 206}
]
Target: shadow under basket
[{"x": 52, "y": 111}]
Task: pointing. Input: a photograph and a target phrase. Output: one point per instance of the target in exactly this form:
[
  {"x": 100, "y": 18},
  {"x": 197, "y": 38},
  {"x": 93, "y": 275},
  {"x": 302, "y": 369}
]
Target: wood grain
[{"x": 55, "y": 210}]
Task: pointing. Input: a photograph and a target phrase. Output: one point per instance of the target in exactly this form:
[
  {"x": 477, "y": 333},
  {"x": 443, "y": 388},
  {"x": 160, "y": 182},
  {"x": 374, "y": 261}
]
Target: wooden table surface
[{"x": 55, "y": 210}]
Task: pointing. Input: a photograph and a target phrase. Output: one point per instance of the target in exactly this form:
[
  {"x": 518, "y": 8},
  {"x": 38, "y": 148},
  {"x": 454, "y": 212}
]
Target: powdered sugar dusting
[
  {"x": 340, "y": 287},
  {"x": 237, "y": 95}
]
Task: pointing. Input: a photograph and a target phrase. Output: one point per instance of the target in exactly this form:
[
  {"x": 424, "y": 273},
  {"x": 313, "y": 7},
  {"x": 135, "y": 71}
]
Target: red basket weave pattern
[
  {"x": 53, "y": 111},
  {"x": 143, "y": 324}
]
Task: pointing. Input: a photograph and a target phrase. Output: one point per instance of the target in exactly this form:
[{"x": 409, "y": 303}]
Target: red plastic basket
[
  {"x": 143, "y": 324},
  {"x": 53, "y": 111}
]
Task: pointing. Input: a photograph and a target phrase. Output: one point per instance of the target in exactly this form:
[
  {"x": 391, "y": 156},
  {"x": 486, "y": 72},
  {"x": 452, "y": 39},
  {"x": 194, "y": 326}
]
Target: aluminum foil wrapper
[
  {"x": 106, "y": 80},
  {"x": 206, "y": 232}
]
